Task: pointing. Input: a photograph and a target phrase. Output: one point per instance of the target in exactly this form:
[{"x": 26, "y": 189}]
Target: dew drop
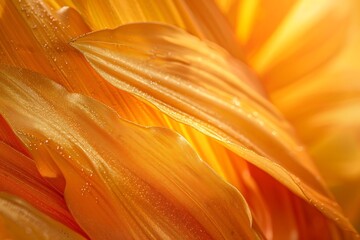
[
  {"x": 260, "y": 122},
  {"x": 274, "y": 133},
  {"x": 236, "y": 102}
]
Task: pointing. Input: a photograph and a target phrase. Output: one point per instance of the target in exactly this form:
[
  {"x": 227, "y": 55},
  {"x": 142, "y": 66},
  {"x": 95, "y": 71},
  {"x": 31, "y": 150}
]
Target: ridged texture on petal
[
  {"x": 19, "y": 176},
  {"x": 311, "y": 72},
  {"x": 201, "y": 17},
  {"x": 288, "y": 40},
  {"x": 334, "y": 115},
  {"x": 20, "y": 221},
  {"x": 40, "y": 44},
  {"x": 198, "y": 84},
  {"x": 122, "y": 180}
]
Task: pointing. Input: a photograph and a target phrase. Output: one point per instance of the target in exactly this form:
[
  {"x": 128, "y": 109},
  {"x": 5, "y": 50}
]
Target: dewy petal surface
[
  {"x": 201, "y": 17},
  {"x": 201, "y": 85},
  {"x": 40, "y": 44},
  {"x": 122, "y": 180},
  {"x": 20, "y": 221},
  {"x": 311, "y": 72}
]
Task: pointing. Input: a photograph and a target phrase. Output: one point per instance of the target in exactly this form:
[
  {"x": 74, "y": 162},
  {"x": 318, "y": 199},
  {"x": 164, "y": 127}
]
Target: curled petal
[
  {"x": 201, "y": 17},
  {"x": 200, "y": 85},
  {"x": 122, "y": 180},
  {"x": 40, "y": 44}
]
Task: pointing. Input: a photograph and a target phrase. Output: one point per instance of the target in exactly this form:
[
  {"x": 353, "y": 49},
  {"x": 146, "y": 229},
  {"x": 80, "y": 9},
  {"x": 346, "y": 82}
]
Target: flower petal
[
  {"x": 147, "y": 182},
  {"x": 201, "y": 85},
  {"x": 255, "y": 21},
  {"x": 8, "y": 137},
  {"x": 290, "y": 39},
  {"x": 201, "y": 17},
  {"x": 19, "y": 176},
  {"x": 19, "y": 220},
  {"x": 323, "y": 103},
  {"x": 40, "y": 44}
]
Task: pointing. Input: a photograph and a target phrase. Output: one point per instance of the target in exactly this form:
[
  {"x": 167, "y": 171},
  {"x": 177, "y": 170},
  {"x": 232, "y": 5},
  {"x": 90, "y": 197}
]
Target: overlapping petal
[
  {"x": 202, "y": 18},
  {"x": 19, "y": 220},
  {"x": 166, "y": 67},
  {"x": 289, "y": 40},
  {"x": 19, "y": 176},
  {"x": 308, "y": 57},
  {"x": 122, "y": 180},
  {"x": 41, "y": 45}
]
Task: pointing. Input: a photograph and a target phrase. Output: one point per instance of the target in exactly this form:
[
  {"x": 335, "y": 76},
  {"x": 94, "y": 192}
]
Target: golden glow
[{"x": 167, "y": 119}]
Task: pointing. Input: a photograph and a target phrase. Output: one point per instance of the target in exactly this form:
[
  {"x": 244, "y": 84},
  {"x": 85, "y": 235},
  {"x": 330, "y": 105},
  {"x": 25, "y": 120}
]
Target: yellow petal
[
  {"x": 255, "y": 20},
  {"x": 40, "y": 44},
  {"x": 305, "y": 65},
  {"x": 122, "y": 180},
  {"x": 201, "y": 85},
  {"x": 19, "y": 220},
  {"x": 288, "y": 40},
  {"x": 46, "y": 34},
  {"x": 323, "y": 105},
  {"x": 202, "y": 17}
]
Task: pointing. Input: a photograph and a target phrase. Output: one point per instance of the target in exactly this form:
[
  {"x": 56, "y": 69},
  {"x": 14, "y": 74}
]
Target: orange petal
[
  {"x": 323, "y": 104},
  {"x": 201, "y": 85},
  {"x": 19, "y": 220},
  {"x": 293, "y": 219},
  {"x": 19, "y": 176},
  {"x": 43, "y": 49},
  {"x": 8, "y": 137},
  {"x": 288, "y": 40},
  {"x": 202, "y": 17},
  {"x": 255, "y": 21},
  {"x": 122, "y": 180}
]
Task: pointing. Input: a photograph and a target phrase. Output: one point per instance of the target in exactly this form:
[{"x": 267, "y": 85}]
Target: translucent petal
[
  {"x": 196, "y": 83},
  {"x": 40, "y": 44},
  {"x": 288, "y": 40},
  {"x": 311, "y": 73},
  {"x": 122, "y": 180},
  {"x": 201, "y": 17}
]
